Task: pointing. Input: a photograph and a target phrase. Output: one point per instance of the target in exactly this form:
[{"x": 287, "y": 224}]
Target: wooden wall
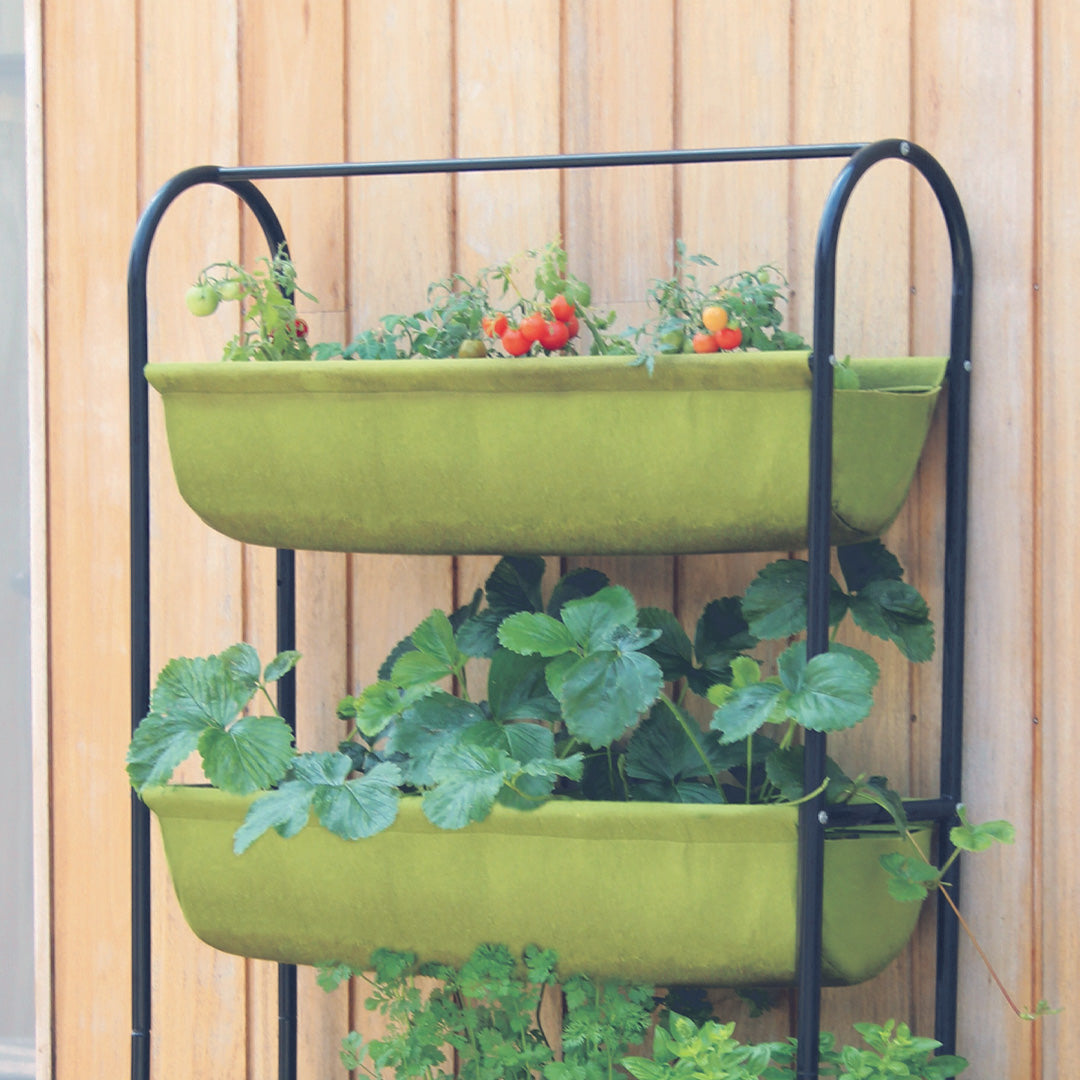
[{"x": 135, "y": 90}]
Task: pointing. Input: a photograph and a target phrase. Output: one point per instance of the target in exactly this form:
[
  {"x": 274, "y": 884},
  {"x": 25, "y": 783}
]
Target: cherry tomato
[
  {"x": 728, "y": 338},
  {"x": 300, "y": 326},
  {"x": 472, "y": 348},
  {"x": 556, "y": 334},
  {"x": 515, "y": 342},
  {"x": 572, "y": 326},
  {"x": 561, "y": 308},
  {"x": 201, "y": 299},
  {"x": 532, "y": 326},
  {"x": 715, "y": 318},
  {"x": 704, "y": 343},
  {"x": 230, "y": 289}
]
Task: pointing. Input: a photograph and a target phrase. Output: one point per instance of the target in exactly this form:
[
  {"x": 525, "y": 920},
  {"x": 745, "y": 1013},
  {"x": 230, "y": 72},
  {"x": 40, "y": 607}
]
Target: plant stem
[{"x": 692, "y": 734}]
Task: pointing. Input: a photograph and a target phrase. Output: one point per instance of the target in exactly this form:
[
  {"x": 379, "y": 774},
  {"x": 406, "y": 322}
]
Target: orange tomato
[{"x": 715, "y": 318}]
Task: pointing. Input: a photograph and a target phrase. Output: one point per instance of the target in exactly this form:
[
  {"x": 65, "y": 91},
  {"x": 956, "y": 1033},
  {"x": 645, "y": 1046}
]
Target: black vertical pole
[{"x": 286, "y": 689}]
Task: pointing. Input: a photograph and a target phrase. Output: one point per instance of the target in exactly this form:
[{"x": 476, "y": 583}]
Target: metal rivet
[
  {"x": 905, "y": 148},
  {"x": 967, "y": 365},
  {"x": 823, "y": 817},
  {"x": 832, "y": 359}
]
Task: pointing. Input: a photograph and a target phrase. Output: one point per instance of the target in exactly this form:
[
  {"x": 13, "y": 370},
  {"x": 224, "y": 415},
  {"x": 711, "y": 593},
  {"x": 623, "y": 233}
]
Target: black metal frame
[{"x": 813, "y": 817}]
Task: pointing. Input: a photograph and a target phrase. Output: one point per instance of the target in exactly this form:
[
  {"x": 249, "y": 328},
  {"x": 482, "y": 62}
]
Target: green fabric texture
[
  {"x": 576, "y": 455},
  {"x": 656, "y": 892}
]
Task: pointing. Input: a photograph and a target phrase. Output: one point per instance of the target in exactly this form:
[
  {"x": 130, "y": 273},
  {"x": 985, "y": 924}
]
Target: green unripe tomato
[
  {"x": 201, "y": 299},
  {"x": 673, "y": 341},
  {"x": 472, "y": 348},
  {"x": 231, "y": 289}
]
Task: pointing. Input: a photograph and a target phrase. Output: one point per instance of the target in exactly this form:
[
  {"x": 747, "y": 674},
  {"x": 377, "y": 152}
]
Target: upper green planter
[
  {"x": 575, "y": 455},
  {"x": 656, "y": 892}
]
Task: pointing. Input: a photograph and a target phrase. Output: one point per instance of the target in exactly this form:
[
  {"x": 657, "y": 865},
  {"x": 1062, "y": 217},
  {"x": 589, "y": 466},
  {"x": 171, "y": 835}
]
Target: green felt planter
[
  {"x": 656, "y": 892},
  {"x": 584, "y": 455}
]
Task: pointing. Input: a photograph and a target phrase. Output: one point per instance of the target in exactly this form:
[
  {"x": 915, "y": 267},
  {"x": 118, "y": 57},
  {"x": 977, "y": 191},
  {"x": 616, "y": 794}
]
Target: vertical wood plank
[
  {"x": 287, "y": 116},
  {"x": 966, "y": 55},
  {"x": 41, "y": 784},
  {"x": 830, "y": 105},
  {"x": 196, "y": 596},
  {"x": 400, "y": 237},
  {"x": 618, "y": 94},
  {"x": 1058, "y": 570},
  {"x": 89, "y": 207}
]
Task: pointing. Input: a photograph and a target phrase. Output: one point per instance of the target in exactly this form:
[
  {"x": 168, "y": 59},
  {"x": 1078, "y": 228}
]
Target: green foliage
[
  {"x": 486, "y": 1014},
  {"x": 196, "y": 705},
  {"x": 709, "y": 1051},
  {"x": 575, "y": 705}
]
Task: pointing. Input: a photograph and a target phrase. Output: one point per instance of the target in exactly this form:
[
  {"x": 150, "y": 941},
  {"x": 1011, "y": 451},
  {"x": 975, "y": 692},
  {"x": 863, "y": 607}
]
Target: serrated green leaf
[
  {"x": 672, "y": 649},
  {"x": 671, "y": 759},
  {"x": 416, "y": 667},
  {"x": 160, "y": 744},
  {"x": 869, "y": 561},
  {"x": 784, "y": 768},
  {"x": 910, "y": 878},
  {"x": 242, "y": 663},
  {"x": 205, "y": 690},
  {"x": 748, "y": 709},
  {"x": 281, "y": 665},
  {"x": 575, "y": 585},
  {"x": 426, "y": 728},
  {"x": 776, "y": 602},
  {"x": 969, "y": 836},
  {"x": 593, "y": 620},
  {"x": 286, "y": 810},
  {"x": 478, "y": 635},
  {"x": 895, "y": 611},
  {"x": 252, "y": 755},
  {"x": 517, "y": 689},
  {"x": 533, "y": 633},
  {"x": 514, "y": 584},
  {"x": 381, "y": 702},
  {"x": 360, "y": 807},
  {"x": 834, "y": 692},
  {"x": 435, "y": 638},
  {"x": 604, "y": 694},
  {"x": 467, "y": 782},
  {"x": 722, "y": 632}
]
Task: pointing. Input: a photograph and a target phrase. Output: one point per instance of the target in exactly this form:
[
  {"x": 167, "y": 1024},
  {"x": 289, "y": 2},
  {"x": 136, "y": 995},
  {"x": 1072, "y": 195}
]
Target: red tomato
[
  {"x": 515, "y": 342},
  {"x": 728, "y": 338},
  {"x": 562, "y": 309},
  {"x": 532, "y": 326},
  {"x": 556, "y": 334},
  {"x": 572, "y": 326},
  {"x": 705, "y": 342}
]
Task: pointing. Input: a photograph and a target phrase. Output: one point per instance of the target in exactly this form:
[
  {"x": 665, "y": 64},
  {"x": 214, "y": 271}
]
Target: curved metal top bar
[{"x": 542, "y": 161}]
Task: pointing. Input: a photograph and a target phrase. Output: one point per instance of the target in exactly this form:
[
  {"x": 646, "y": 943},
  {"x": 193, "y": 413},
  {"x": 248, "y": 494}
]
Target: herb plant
[
  {"x": 484, "y": 1020},
  {"x": 685, "y": 1051}
]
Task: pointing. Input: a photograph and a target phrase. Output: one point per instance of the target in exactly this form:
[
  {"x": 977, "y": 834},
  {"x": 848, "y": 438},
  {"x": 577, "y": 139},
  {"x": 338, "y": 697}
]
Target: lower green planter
[
  {"x": 577, "y": 455},
  {"x": 656, "y": 892}
]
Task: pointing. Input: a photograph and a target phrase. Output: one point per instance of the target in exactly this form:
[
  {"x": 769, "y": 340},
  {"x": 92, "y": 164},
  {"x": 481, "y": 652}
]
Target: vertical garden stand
[{"x": 814, "y": 817}]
